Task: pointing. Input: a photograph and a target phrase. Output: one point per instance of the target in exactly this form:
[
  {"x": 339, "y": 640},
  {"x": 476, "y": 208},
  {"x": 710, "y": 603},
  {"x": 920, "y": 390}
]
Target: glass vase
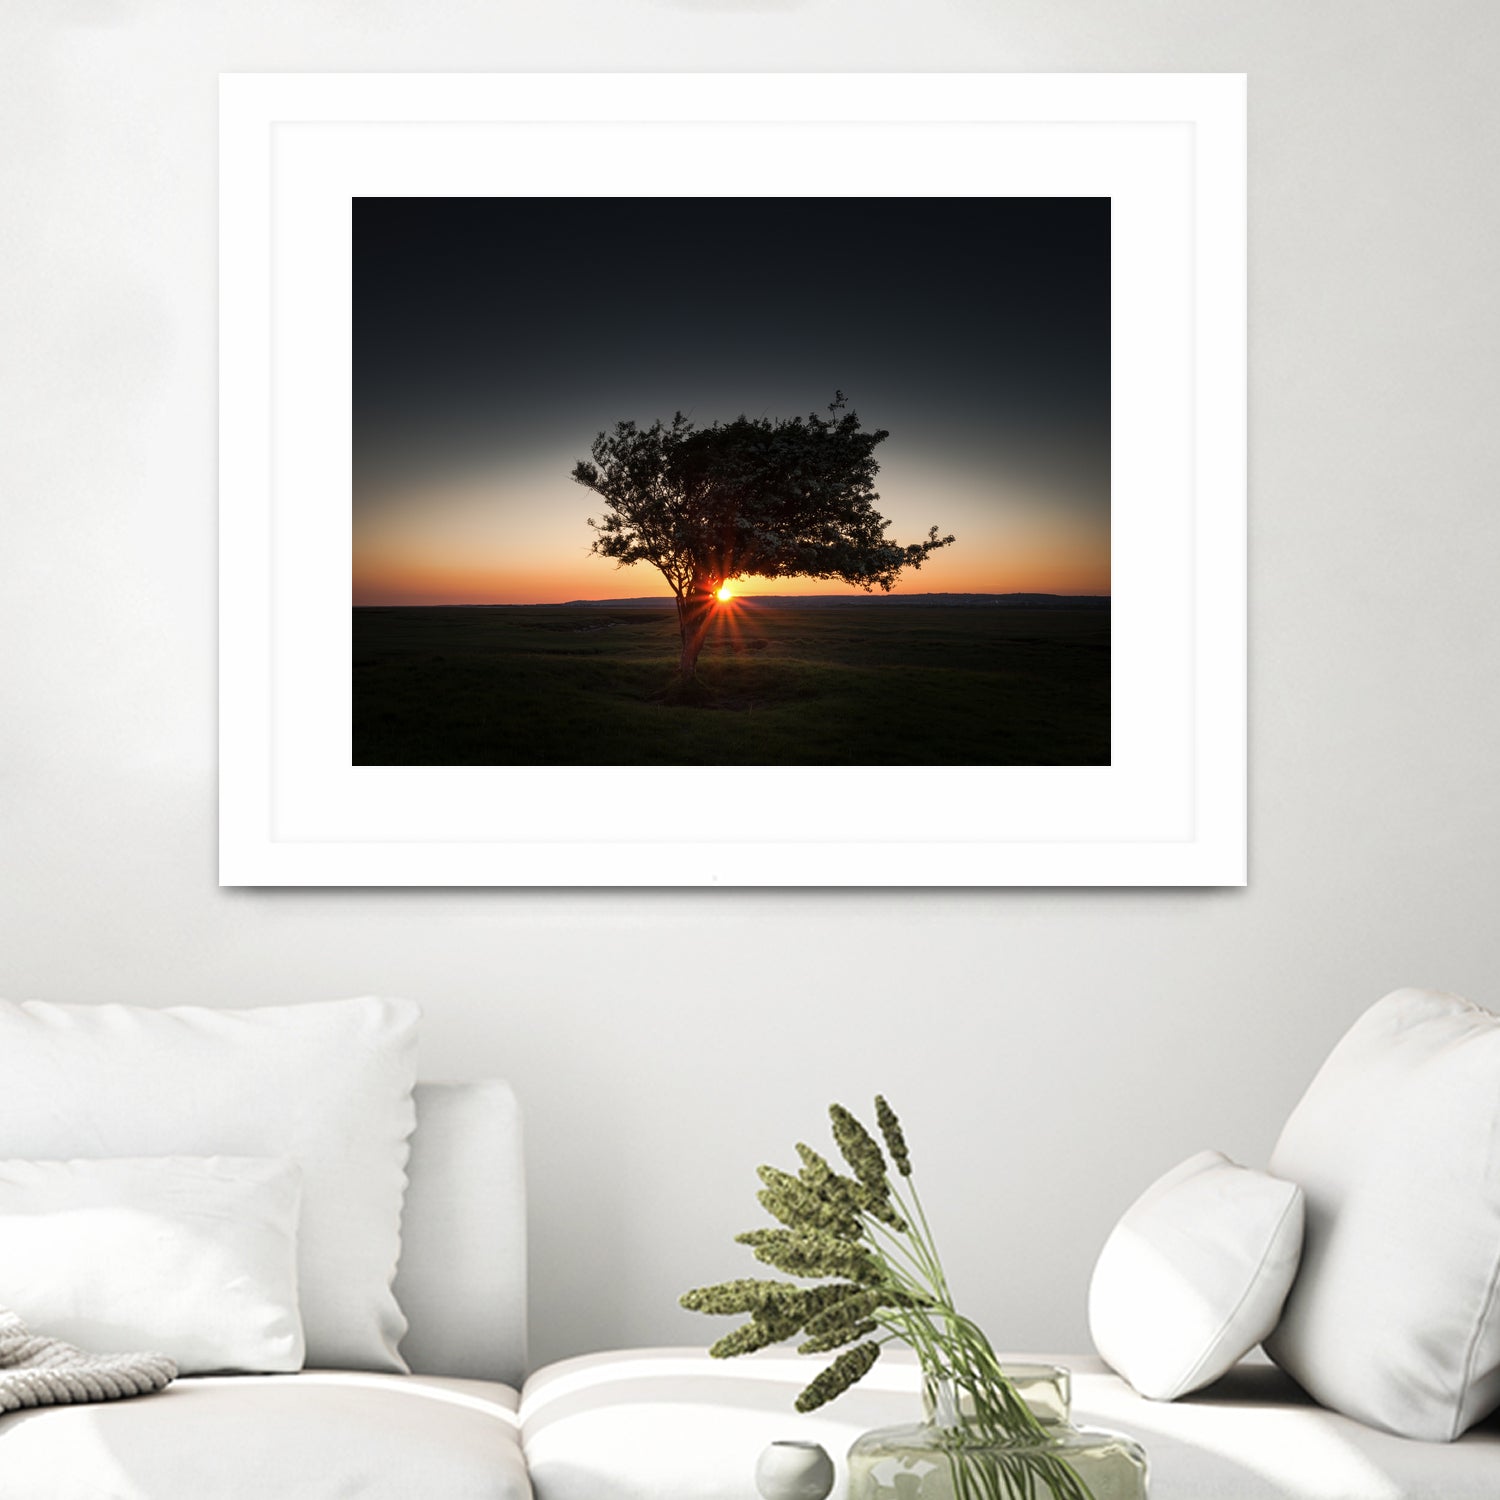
[{"x": 949, "y": 1456}]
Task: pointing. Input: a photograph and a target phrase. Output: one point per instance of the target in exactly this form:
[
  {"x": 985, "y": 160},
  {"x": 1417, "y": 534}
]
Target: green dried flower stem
[
  {"x": 847, "y": 1193},
  {"x": 895, "y": 1137},
  {"x": 852, "y": 1365},
  {"x": 800, "y": 1207},
  {"x": 836, "y": 1338},
  {"x": 810, "y": 1253},
  {"x": 849, "y": 1309},
  {"x": 861, "y": 1230},
  {"x": 858, "y": 1148}
]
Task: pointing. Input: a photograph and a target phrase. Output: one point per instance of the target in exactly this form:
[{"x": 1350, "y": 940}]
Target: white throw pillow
[
  {"x": 194, "y": 1257},
  {"x": 1194, "y": 1275},
  {"x": 1393, "y": 1317},
  {"x": 326, "y": 1085}
]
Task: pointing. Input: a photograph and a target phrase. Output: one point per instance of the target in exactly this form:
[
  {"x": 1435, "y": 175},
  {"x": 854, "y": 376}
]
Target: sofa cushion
[
  {"x": 320, "y": 1435},
  {"x": 327, "y": 1085},
  {"x": 194, "y": 1257},
  {"x": 462, "y": 1277},
  {"x": 1193, "y": 1276},
  {"x": 672, "y": 1424},
  {"x": 1393, "y": 1317}
]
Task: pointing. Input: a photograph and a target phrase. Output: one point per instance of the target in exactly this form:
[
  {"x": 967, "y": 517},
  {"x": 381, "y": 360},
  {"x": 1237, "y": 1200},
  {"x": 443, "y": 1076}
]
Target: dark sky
[{"x": 494, "y": 337}]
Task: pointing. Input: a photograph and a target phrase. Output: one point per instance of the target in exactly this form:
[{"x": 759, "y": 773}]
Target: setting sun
[{"x": 725, "y": 594}]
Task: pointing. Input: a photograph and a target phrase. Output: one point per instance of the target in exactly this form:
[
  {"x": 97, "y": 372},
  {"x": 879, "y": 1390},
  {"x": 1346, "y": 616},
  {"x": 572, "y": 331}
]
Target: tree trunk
[{"x": 695, "y": 611}]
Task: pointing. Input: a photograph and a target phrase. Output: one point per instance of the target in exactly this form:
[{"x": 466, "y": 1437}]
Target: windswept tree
[{"x": 761, "y": 498}]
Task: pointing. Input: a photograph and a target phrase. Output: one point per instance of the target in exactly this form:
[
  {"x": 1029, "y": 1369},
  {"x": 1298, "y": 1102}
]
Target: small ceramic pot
[{"x": 794, "y": 1471}]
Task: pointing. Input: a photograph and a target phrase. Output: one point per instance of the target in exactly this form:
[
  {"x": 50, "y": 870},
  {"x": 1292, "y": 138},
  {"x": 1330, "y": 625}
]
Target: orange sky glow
[{"x": 457, "y": 545}]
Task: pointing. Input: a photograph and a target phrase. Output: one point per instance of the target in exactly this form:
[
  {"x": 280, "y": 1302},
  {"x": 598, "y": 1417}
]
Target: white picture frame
[{"x": 1169, "y": 150}]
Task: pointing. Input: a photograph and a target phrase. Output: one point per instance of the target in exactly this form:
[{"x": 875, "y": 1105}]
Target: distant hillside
[{"x": 841, "y": 601}]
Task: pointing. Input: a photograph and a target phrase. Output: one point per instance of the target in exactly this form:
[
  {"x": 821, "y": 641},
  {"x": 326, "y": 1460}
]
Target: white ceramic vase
[{"x": 794, "y": 1471}]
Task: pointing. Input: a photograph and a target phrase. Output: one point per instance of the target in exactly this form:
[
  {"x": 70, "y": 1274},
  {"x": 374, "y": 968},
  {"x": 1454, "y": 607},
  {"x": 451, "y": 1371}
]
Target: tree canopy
[{"x": 756, "y": 497}]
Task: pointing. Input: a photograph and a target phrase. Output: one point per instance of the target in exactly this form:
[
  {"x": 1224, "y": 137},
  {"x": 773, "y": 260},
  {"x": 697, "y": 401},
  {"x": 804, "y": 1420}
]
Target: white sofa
[
  {"x": 450, "y": 1432},
  {"x": 671, "y": 1424},
  {"x": 636, "y": 1425}
]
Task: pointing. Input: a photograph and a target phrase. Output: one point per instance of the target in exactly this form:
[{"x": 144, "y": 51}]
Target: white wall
[{"x": 1051, "y": 1051}]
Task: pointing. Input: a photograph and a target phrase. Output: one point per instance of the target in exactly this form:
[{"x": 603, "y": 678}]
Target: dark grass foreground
[{"x": 881, "y": 684}]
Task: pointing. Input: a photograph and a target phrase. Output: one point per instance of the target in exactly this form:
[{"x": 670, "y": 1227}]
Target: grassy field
[{"x": 856, "y": 684}]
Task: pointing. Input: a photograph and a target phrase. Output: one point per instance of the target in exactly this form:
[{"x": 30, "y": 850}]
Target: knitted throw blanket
[{"x": 36, "y": 1371}]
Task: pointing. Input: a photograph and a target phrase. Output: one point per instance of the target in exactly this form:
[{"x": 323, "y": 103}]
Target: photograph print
[{"x": 731, "y": 481}]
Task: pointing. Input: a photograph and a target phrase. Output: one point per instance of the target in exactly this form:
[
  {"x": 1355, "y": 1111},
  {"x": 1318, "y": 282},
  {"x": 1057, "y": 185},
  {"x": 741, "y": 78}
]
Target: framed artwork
[{"x": 732, "y": 480}]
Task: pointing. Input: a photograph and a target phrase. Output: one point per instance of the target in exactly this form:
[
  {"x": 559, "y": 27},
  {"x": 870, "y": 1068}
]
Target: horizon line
[{"x": 671, "y": 599}]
